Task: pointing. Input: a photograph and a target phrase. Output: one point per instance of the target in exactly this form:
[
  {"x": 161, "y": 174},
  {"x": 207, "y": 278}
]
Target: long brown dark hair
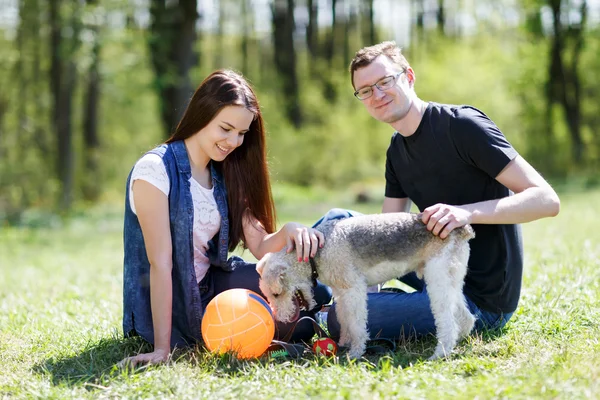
[{"x": 245, "y": 169}]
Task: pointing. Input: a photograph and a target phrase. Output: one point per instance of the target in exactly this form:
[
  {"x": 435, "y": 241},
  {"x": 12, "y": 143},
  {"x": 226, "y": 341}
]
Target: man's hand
[{"x": 441, "y": 219}]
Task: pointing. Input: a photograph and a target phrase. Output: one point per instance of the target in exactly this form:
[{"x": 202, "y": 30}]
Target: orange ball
[{"x": 240, "y": 321}]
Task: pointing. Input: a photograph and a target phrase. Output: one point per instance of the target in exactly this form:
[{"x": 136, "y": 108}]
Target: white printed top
[{"x": 207, "y": 219}]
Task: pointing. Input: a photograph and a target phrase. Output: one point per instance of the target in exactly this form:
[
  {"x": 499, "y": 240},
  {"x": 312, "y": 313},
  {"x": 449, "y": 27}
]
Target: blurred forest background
[{"x": 87, "y": 86}]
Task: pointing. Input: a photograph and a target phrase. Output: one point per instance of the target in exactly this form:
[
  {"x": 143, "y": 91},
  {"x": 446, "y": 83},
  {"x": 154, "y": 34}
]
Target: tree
[
  {"x": 247, "y": 28},
  {"x": 351, "y": 20},
  {"x": 285, "y": 57},
  {"x": 171, "y": 41},
  {"x": 441, "y": 17},
  {"x": 564, "y": 83},
  {"x": 370, "y": 33},
  {"x": 312, "y": 29},
  {"x": 418, "y": 26},
  {"x": 331, "y": 38},
  {"x": 220, "y": 35},
  {"x": 91, "y": 184},
  {"x": 63, "y": 73}
]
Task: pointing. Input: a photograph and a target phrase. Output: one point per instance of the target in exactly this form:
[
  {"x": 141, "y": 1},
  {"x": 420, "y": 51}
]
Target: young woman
[{"x": 188, "y": 202}]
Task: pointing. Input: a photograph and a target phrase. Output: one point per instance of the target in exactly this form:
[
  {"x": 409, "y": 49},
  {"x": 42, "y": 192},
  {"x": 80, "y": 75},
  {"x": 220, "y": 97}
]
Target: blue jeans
[
  {"x": 403, "y": 315},
  {"x": 244, "y": 276}
]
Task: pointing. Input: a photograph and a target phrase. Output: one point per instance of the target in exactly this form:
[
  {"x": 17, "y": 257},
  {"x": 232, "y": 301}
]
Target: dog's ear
[
  {"x": 260, "y": 265},
  {"x": 275, "y": 276}
]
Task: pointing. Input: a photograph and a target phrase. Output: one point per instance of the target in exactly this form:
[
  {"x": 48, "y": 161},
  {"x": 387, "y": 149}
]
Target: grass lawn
[{"x": 60, "y": 324}]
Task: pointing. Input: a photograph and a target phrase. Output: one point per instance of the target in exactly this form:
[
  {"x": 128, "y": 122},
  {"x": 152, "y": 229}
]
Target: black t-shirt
[{"x": 453, "y": 158}]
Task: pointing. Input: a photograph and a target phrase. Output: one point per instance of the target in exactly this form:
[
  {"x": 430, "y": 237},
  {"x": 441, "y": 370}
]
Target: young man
[{"x": 459, "y": 169}]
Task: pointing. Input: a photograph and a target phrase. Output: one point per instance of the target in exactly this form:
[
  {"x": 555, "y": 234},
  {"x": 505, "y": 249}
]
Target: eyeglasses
[{"x": 383, "y": 84}]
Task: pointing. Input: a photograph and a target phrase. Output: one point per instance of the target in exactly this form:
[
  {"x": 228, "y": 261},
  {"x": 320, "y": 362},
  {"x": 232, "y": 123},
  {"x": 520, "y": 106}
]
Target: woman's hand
[
  {"x": 306, "y": 240},
  {"x": 156, "y": 357}
]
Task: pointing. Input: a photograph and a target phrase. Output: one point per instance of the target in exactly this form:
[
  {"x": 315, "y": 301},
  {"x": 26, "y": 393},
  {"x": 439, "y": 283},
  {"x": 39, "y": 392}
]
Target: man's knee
[
  {"x": 333, "y": 326},
  {"x": 322, "y": 295}
]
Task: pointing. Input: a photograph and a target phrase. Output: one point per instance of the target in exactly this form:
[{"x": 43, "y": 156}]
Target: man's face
[{"x": 389, "y": 105}]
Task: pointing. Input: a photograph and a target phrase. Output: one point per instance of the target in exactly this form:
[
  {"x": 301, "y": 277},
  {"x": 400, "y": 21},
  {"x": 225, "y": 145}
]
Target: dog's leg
[
  {"x": 443, "y": 298},
  {"x": 351, "y": 312},
  {"x": 464, "y": 319}
]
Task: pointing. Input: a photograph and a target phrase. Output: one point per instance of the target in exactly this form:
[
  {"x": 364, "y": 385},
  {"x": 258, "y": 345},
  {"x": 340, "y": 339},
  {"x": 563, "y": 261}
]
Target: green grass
[{"x": 60, "y": 323}]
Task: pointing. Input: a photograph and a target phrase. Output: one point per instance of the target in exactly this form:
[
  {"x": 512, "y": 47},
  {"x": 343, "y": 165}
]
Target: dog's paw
[
  {"x": 439, "y": 352},
  {"x": 356, "y": 352},
  {"x": 436, "y": 356},
  {"x": 467, "y": 326},
  {"x": 344, "y": 340}
]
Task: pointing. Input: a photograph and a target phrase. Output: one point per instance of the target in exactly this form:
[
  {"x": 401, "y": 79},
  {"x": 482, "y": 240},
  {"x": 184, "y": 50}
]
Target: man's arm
[
  {"x": 534, "y": 198},
  {"x": 391, "y": 204}
]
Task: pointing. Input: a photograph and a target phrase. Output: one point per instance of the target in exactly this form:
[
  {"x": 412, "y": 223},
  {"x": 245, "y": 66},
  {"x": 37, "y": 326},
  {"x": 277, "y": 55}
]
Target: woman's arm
[
  {"x": 152, "y": 210},
  {"x": 306, "y": 240}
]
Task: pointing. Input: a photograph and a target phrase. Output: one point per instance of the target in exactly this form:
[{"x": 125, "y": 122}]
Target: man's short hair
[{"x": 366, "y": 55}]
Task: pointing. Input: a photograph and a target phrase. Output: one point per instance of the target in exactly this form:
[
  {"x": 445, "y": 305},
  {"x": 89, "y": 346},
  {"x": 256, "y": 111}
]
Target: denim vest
[{"x": 187, "y": 307}]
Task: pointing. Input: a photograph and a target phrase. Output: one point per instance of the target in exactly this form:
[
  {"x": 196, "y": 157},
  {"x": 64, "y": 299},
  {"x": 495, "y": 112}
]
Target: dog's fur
[{"x": 367, "y": 250}]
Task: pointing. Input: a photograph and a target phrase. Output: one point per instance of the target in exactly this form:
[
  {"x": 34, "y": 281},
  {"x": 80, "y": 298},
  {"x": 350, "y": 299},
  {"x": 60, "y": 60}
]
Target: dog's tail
[{"x": 466, "y": 232}]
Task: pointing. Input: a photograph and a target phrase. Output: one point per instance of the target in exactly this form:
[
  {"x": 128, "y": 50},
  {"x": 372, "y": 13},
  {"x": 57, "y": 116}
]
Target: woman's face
[{"x": 225, "y": 132}]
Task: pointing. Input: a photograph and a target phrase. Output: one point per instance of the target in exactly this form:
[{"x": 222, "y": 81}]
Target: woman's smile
[{"x": 223, "y": 149}]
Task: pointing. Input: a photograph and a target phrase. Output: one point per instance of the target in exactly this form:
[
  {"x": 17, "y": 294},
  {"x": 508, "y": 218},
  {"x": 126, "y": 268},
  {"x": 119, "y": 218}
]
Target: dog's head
[{"x": 287, "y": 289}]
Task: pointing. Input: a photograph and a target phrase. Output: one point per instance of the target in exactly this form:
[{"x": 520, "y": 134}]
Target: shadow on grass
[
  {"x": 488, "y": 335},
  {"x": 96, "y": 365},
  {"x": 414, "y": 350},
  {"x": 407, "y": 353},
  {"x": 95, "y": 362}
]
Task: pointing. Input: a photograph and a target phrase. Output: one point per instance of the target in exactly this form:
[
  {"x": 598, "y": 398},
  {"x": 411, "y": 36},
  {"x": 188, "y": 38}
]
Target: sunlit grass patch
[{"x": 60, "y": 324}]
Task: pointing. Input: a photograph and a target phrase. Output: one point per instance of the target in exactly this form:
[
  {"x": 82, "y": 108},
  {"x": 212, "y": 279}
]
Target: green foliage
[
  {"x": 60, "y": 319},
  {"x": 502, "y": 72},
  {"x": 338, "y": 144},
  {"x": 478, "y": 71}
]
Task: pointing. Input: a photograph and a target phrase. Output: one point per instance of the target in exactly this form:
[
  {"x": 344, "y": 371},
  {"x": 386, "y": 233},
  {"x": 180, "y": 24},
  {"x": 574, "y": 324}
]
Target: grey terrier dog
[{"x": 366, "y": 250}]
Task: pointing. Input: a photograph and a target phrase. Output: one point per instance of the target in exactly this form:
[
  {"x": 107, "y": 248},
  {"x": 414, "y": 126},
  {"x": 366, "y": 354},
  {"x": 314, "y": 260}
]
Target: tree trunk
[
  {"x": 416, "y": 33},
  {"x": 349, "y": 23},
  {"x": 42, "y": 133},
  {"x": 441, "y": 17},
  {"x": 572, "y": 97},
  {"x": 564, "y": 85},
  {"x": 330, "y": 46},
  {"x": 171, "y": 42},
  {"x": 3, "y": 110},
  {"x": 285, "y": 57},
  {"x": 246, "y": 29},
  {"x": 62, "y": 82},
  {"x": 370, "y": 33},
  {"x": 329, "y": 89},
  {"x": 312, "y": 38},
  {"x": 555, "y": 71},
  {"x": 420, "y": 13},
  {"x": 91, "y": 185},
  {"x": 220, "y": 39}
]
